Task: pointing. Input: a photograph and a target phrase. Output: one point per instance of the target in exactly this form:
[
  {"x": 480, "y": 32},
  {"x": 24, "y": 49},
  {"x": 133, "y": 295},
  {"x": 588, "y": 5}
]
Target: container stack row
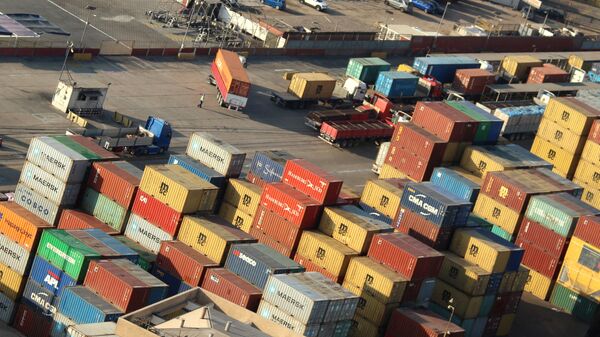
[{"x": 588, "y": 168}]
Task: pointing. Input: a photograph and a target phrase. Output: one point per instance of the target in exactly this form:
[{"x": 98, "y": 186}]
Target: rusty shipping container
[
  {"x": 231, "y": 287},
  {"x": 406, "y": 255},
  {"x": 548, "y": 73},
  {"x": 408, "y": 165},
  {"x": 277, "y": 227},
  {"x": 152, "y": 210},
  {"x": 444, "y": 121},
  {"x": 20, "y": 225},
  {"x": 74, "y": 219},
  {"x": 472, "y": 81},
  {"x": 419, "y": 141},
  {"x": 594, "y": 134},
  {"x": 233, "y": 74},
  {"x": 311, "y": 180},
  {"x": 407, "y": 322},
  {"x": 268, "y": 241},
  {"x": 293, "y": 205},
  {"x": 117, "y": 180},
  {"x": 553, "y": 243},
  {"x": 411, "y": 223},
  {"x": 538, "y": 259},
  {"x": 183, "y": 262},
  {"x": 588, "y": 230}
]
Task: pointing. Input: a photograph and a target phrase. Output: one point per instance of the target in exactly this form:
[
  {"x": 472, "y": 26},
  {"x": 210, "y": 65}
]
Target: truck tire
[
  {"x": 319, "y": 8},
  {"x": 277, "y": 7}
]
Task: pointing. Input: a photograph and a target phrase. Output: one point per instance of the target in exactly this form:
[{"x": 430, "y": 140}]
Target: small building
[{"x": 80, "y": 97}]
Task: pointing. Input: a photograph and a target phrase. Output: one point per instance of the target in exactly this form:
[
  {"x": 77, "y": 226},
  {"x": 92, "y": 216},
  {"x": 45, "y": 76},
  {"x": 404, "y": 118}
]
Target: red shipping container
[
  {"x": 293, "y": 205},
  {"x": 472, "y": 81},
  {"x": 123, "y": 284},
  {"x": 276, "y": 227},
  {"x": 267, "y": 240},
  {"x": 411, "y": 293},
  {"x": 95, "y": 148},
  {"x": 227, "y": 64},
  {"x": 255, "y": 180},
  {"x": 333, "y": 130},
  {"x": 406, "y": 322},
  {"x": 348, "y": 196},
  {"x": 444, "y": 121},
  {"x": 184, "y": 262},
  {"x": 31, "y": 322},
  {"x": 545, "y": 238},
  {"x": 406, "y": 255},
  {"x": 416, "y": 140},
  {"x": 411, "y": 223},
  {"x": 156, "y": 212},
  {"x": 114, "y": 182},
  {"x": 310, "y": 266},
  {"x": 231, "y": 287},
  {"x": 594, "y": 134},
  {"x": 74, "y": 219},
  {"x": 418, "y": 169},
  {"x": 588, "y": 230},
  {"x": 549, "y": 73},
  {"x": 312, "y": 181},
  {"x": 539, "y": 260}
]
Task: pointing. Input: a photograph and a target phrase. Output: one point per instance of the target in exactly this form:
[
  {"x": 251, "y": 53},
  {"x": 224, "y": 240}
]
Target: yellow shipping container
[
  {"x": 561, "y": 137},
  {"x": 480, "y": 250},
  {"x": 369, "y": 307},
  {"x": 584, "y": 254},
  {"x": 571, "y": 114},
  {"x": 580, "y": 278},
  {"x": 382, "y": 196},
  {"x": 465, "y": 306},
  {"x": 243, "y": 195},
  {"x": 506, "y": 323},
  {"x": 588, "y": 173},
  {"x": 497, "y": 214},
  {"x": 210, "y": 238},
  {"x": 376, "y": 279},
  {"x": 351, "y": 229},
  {"x": 363, "y": 328},
  {"x": 178, "y": 188},
  {"x": 387, "y": 171},
  {"x": 590, "y": 195},
  {"x": 325, "y": 252},
  {"x": 463, "y": 275},
  {"x": 405, "y": 68},
  {"x": 11, "y": 283},
  {"x": 539, "y": 285},
  {"x": 564, "y": 162},
  {"x": 521, "y": 279},
  {"x": 591, "y": 153},
  {"x": 519, "y": 65},
  {"x": 478, "y": 161},
  {"x": 312, "y": 85},
  {"x": 508, "y": 279},
  {"x": 235, "y": 216}
]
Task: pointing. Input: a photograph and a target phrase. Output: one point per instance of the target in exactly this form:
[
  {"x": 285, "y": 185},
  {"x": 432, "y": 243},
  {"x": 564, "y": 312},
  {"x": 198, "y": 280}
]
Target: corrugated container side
[
  {"x": 291, "y": 204},
  {"x": 31, "y": 322},
  {"x": 60, "y": 325},
  {"x": 413, "y": 224},
  {"x": 66, "y": 252},
  {"x": 482, "y": 159},
  {"x": 418, "y": 141},
  {"x": 369, "y": 307},
  {"x": 50, "y": 277},
  {"x": 74, "y": 219},
  {"x": 199, "y": 169},
  {"x": 547, "y": 239},
  {"x": 58, "y": 159},
  {"x": 571, "y": 114},
  {"x": 87, "y": 147},
  {"x": 497, "y": 214},
  {"x": 152, "y": 210},
  {"x": 116, "y": 180},
  {"x": 560, "y": 136},
  {"x": 579, "y": 278},
  {"x": 146, "y": 234},
  {"x": 231, "y": 287},
  {"x": 421, "y": 323},
  {"x": 243, "y": 195},
  {"x": 455, "y": 183},
  {"x": 433, "y": 204},
  {"x": 478, "y": 248},
  {"x": 268, "y": 165},
  {"x": 236, "y": 217},
  {"x": 472, "y": 81},
  {"x": 104, "y": 209},
  {"x": 579, "y": 306},
  {"x": 384, "y": 195},
  {"x": 48, "y": 185},
  {"x": 394, "y": 84},
  {"x": 537, "y": 259},
  {"x": 83, "y": 306},
  {"x": 444, "y": 121},
  {"x": 8, "y": 308},
  {"x": 268, "y": 241},
  {"x": 325, "y": 252},
  {"x": 312, "y": 180},
  {"x": 588, "y": 230},
  {"x": 40, "y": 297},
  {"x": 37, "y": 204},
  {"x": 216, "y": 154},
  {"x": 182, "y": 261},
  {"x": 15, "y": 256},
  {"x": 276, "y": 227},
  {"x": 466, "y": 307},
  {"x": 565, "y": 163},
  {"x": 375, "y": 279},
  {"x": 274, "y": 314},
  {"x": 20, "y": 225},
  {"x": 311, "y": 266},
  {"x": 401, "y": 163},
  {"x": 463, "y": 275},
  {"x": 312, "y": 86},
  {"x": 146, "y": 259}
]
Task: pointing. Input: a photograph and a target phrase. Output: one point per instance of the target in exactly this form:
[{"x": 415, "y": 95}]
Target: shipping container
[
  {"x": 276, "y": 227},
  {"x": 124, "y": 284},
  {"x": 40, "y": 298},
  {"x": 51, "y": 278},
  {"x": 486, "y": 250},
  {"x": 74, "y": 219},
  {"x": 543, "y": 237},
  {"x": 465, "y": 306},
  {"x": 588, "y": 230},
  {"x": 548, "y": 73},
  {"x": 538, "y": 285},
  {"x": 15, "y": 256},
  {"x": 326, "y": 252},
  {"x": 369, "y": 307},
  {"x": 502, "y": 233},
  {"x": 583, "y": 254},
  {"x": 587, "y": 174},
  {"x": 62, "y": 250},
  {"x": 571, "y": 114},
  {"x": 211, "y": 237},
  {"x": 312, "y": 181},
  {"x": 291, "y": 204},
  {"x": 199, "y": 169},
  {"x": 216, "y": 154},
  {"x": 594, "y": 135},
  {"x": 255, "y": 262},
  {"x": 180, "y": 260},
  {"x": 558, "y": 212},
  {"x": 37, "y": 204},
  {"x": 591, "y": 152},
  {"x": 87, "y": 147},
  {"x": 519, "y": 65},
  {"x": 268, "y": 165},
  {"x": 107, "y": 246},
  {"x": 58, "y": 159},
  {"x": 590, "y": 195},
  {"x": 12, "y": 283},
  {"x": 421, "y": 323},
  {"x": 236, "y": 217},
  {"x": 32, "y": 323},
  {"x": 366, "y": 69},
  {"x": 538, "y": 259},
  {"x": 395, "y": 84},
  {"x": 482, "y": 159},
  {"x": 174, "y": 285},
  {"x": 48, "y": 185},
  {"x": 443, "y": 68},
  {"x": 387, "y": 171},
  {"x": 583, "y": 62},
  {"x": 520, "y": 119},
  {"x": 274, "y": 314},
  {"x": 351, "y": 229},
  {"x": 406, "y": 255},
  {"x": 104, "y": 209},
  {"x": 313, "y": 266},
  {"x": 155, "y": 212},
  {"x": 178, "y": 188},
  {"x": 418, "y": 227},
  {"x": 117, "y": 180},
  {"x": 146, "y": 259},
  {"x": 488, "y": 126},
  {"x": 232, "y": 73},
  {"x": 145, "y": 233},
  {"x": 452, "y": 182},
  {"x": 255, "y": 180},
  {"x": 560, "y": 136},
  {"x": 472, "y": 81},
  {"x": 580, "y": 278},
  {"x": 361, "y": 327},
  {"x": 82, "y": 305},
  {"x": 565, "y": 163},
  {"x": 418, "y": 141},
  {"x": 312, "y": 86},
  {"x": 578, "y": 305},
  {"x": 384, "y": 196},
  {"x": 433, "y": 204},
  {"x": 8, "y": 308},
  {"x": 104, "y": 329},
  {"x": 375, "y": 279},
  {"x": 464, "y": 275},
  {"x": 20, "y": 225},
  {"x": 60, "y": 325},
  {"x": 269, "y": 241},
  {"x": 444, "y": 121},
  {"x": 243, "y": 195},
  {"x": 496, "y": 213},
  {"x": 401, "y": 163}
]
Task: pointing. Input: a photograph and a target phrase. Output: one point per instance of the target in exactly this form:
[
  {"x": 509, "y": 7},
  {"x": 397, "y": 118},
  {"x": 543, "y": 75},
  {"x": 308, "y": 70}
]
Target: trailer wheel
[{"x": 343, "y": 143}]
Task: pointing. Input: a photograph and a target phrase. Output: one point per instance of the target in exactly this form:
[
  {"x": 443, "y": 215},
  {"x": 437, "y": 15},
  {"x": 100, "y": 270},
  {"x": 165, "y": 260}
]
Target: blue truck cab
[
  {"x": 277, "y": 4},
  {"x": 428, "y": 6},
  {"x": 162, "y": 134}
]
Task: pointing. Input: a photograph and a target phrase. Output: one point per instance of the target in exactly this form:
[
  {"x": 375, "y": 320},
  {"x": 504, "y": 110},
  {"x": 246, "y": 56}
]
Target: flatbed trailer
[{"x": 352, "y": 133}]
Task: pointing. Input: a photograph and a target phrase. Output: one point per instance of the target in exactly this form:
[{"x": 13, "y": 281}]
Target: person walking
[{"x": 201, "y": 100}]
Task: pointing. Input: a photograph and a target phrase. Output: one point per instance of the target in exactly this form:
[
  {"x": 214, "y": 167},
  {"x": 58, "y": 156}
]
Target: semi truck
[
  {"x": 231, "y": 79},
  {"x": 352, "y": 133}
]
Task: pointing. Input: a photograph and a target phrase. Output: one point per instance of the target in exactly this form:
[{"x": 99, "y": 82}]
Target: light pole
[
  {"x": 187, "y": 29},
  {"x": 90, "y": 9},
  {"x": 451, "y": 308},
  {"x": 437, "y": 32},
  {"x": 64, "y": 65}
]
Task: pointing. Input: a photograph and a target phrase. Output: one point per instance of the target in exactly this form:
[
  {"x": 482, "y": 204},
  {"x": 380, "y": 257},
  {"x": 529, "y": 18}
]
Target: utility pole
[
  {"x": 68, "y": 50},
  {"x": 440, "y": 25},
  {"x": 451, "y": 308},
  {"x": 89, "y": 8}
]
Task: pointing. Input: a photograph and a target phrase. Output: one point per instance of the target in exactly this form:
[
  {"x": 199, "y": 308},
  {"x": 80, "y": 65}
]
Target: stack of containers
[
  {"x": 488, "y": 126},
  {"x": 421, "y": 323},
  {"x": 563, "y": 132},
  {"x": 240, "y": 203},
  {"x": 430, "y": 215},
  {"x": 588, "y": 168},
  {"x": 546, "y": 232},
  {"x": 480, "y": 160},
  {"x": 520, "y": 120},
  {"x": 577, "y": 288},
  {"x": 458, "y": 182},
  {"x": 516, "y": 68},
  {"x": 20, "y": 233},
  {"x": 395, "y": 84},
  {"x": 443, "y": 68},
  {"x": 166, "y": 194},
  {"x": 482, "y": 280},
  {"x": 472, "y": 82},
  {"x": 308, "y": 304},
  {"x": 233, "y": 288},
  {"x": 267, "y": 167},
  {"x": 216, "y": 154},
  {"x": 548, "y": 73},
  {"x": 366, "y": 69},
  {"x": 505, "y": 196},
  {"x": 199, "y": 169},
  {"x": 381, "y": 198}
]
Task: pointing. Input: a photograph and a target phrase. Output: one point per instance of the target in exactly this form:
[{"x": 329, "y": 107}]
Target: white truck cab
[
  {"x": 319, "y": 5},
  {"x": 356, "y": 89}
]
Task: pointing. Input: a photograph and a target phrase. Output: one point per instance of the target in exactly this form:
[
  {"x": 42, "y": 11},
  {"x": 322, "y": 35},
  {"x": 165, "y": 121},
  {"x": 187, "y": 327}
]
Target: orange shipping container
[
  {"x": 232, "y": 72},
  {"x": 20, "y": 225},
  {"x": 549, "y": 73}
]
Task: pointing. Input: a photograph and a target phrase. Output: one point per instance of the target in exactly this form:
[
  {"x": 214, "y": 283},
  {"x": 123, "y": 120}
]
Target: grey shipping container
[
  {"x": 342, "y": 303},
  {"x": 48, "y": 185},
  {"x": 272, "y": 313},
  {"x": 7, "y": 309},
  {"x": 216, "y": 154},
  {"x": 145, "y": 233},
  {"x": 37, "y": 204},
  {"x": 104, "y": 329},
  {"x": 434, "y": 204},
  {"x": 254, "y": 262},
  {"x": 15, "y": 256},
  {"x": 58, "y": 159},
  {"x": 41, "y": 298}
]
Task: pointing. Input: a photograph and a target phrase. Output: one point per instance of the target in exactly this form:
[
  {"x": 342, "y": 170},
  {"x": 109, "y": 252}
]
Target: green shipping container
[
  {"x": 84, "y": 151},
  {"x": 366, "y": 69},
  {"x": 147, "y": 258},
  {"x": 66, "y": 252},
  {"x": 580, "y": 306},
  {"x": 558, "y": 212},
  {"x": 484, "y": 124},
  {"x": 502, "y": 233},
  {"x": 104, "y": 209}
]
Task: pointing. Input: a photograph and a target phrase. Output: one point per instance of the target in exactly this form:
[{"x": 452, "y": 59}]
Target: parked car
[
  {"x": 429, "y": 7},
  {"x": 319, "y": 5},
  {"x": 539, "y": 15},
  {"x": 402, "y": 5},
  {"x": 277, "y": 4}
]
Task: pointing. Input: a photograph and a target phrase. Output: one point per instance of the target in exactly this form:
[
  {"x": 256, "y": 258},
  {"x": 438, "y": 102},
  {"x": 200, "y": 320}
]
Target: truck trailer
[{"x": 231, "y": 79}]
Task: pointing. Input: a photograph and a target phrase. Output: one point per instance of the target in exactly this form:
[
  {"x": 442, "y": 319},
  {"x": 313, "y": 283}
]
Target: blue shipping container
[
  {"x": 117, "y": 246},
  {"x": 443, "y": 68},
  {"x": 435, "y": 205},
  {"x": 452, "y": 182},
  {"x": 487, "y": 304},
  {"x": 269, "y": 165},
  {"x": 83, "y": 306},
  {"x": 374, "y": 214},
  {"x": 48, "y": 276},
  {"x": 176, "y": 285},
  {"x": 198, "y": 169},
  {"x": 255, "y": 262},
  {"x": 395, "y": 84},
  {"x": 60, "y": 326},
  {"x": 41, "y": 298},
  {"x": 494, "y": 283}
]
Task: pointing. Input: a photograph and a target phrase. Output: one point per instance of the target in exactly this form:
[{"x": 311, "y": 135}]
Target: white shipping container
[
  {"x": 270, "y": 312},
  {"x": 14, "y": 256},
  {"x": 48, "y": 185},
  {"x": 7, "y": 309},
  {"x": 37, "y": 204},
  {"x": 381, "y": 154},
  {"x": 103, "y": 329},
  {"x": 216, "y": 154},
  {"x": 145, "y": 233},
  {"x": 64, "y": 322},
  {"x": 58, "y": 159}
]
